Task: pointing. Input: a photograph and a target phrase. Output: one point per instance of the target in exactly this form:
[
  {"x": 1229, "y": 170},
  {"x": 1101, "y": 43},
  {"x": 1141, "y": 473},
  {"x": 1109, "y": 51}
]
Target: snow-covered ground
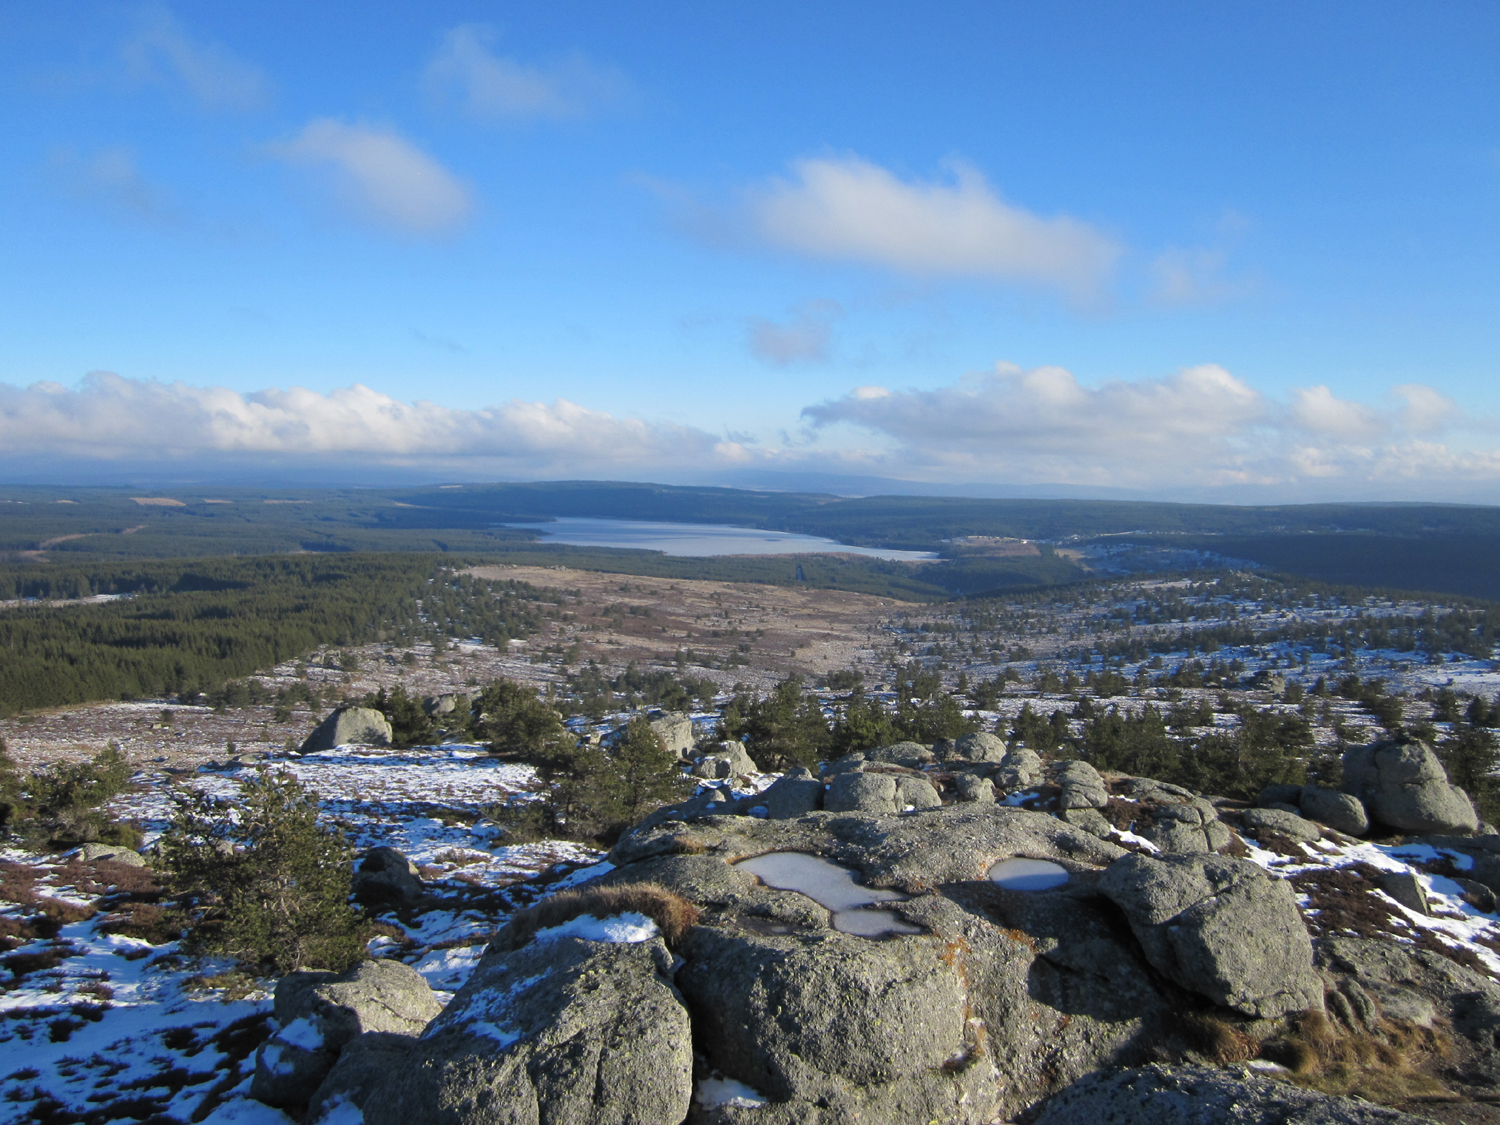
[
  {"x": 116, "y": 1028},
  {"x": 111, "y": 1026}
]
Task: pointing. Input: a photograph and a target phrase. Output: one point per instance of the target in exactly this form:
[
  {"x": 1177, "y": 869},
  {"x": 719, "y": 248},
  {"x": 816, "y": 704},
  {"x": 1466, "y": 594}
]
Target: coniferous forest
[{"x": 173, "y": 629}]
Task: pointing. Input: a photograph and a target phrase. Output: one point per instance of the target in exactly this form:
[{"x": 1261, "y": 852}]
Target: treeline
[{"x": 187, "y": 627}]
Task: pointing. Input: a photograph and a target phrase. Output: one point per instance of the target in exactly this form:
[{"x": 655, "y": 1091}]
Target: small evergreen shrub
[
  {"x": 517, "y": 724},
  {"x": 61, "y": 805},
  {"x": 594, "y": 792},
  {"x": 260, "y": 880}
]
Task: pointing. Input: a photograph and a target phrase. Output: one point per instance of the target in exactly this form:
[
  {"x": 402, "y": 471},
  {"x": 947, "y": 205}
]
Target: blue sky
[{"x": 1171, "y": 249}]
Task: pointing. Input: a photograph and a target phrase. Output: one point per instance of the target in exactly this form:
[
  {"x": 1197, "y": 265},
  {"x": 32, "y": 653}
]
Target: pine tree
[{"x": 261, "y": 880}]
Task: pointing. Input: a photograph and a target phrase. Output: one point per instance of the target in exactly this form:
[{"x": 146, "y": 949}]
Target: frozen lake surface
[{"x": 701, "y": 539}]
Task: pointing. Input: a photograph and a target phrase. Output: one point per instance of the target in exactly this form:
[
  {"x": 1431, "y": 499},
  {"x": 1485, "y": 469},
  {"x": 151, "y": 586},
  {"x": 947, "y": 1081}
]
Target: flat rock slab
[{"x": 1159, "y": 1095}]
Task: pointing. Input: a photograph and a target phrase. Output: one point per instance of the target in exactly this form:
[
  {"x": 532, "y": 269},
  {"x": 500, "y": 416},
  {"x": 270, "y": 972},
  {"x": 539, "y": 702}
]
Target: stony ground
[{"x": 106, "y": 1021}]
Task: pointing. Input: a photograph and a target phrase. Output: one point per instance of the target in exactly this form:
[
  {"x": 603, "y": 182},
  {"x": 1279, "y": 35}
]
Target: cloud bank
[
  {"x": 1201, "y": 427},
  {"x": 108, "y": 417},
  {"x": 1199, "y": 433},
  {"x": 380, "y": 176},
  {"x": 848, "y": 209}
]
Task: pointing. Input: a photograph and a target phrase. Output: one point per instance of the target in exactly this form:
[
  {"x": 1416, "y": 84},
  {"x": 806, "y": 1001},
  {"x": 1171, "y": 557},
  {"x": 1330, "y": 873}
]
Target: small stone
[
  {"x": 1405, "y": 888},
  {"x": 972, "y": 787}
]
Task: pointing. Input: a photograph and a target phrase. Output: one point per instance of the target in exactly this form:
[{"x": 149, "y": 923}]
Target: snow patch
[
  {"x": 714, "y": 1092},
  {"x": 616, "y": 928}
]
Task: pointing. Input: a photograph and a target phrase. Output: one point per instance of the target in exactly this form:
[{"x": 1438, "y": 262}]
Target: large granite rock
[
  {"x": 385, "y": 875},
  {"x": 1020, "y": 768},
  {"x": 1200, "y": 1095},
  {"x": 1342, "y": 812},
  {"x": 676, "y": 732},
  {"x": 1283, "y": 823},
  {"x": 973, "y": 787},
  {"x": 796, "y": 793},
  {"x": 1378, "y": 979},
  {"x": 363, "y": 1065},
  {"x": 984, "y": 1001},
  {"x": 563, "y": 1031},
  {"x": 909, "y": 754},
  {"x": 1082, "y": 787},
  {"x": 978, "y": 747},
  {"x": 349, "y": 726},
  {"x": 730, "y": 760},
  {"x": 319, "y": 1013},
  {"x": 879, "y": 793},
  {"x": 1176, "y": 820},
  {"x": 1403, "y": 786},
  {"x": 1221, "y": 927},
  {"x": 115, "y": 853},
  {"x": 450, "y": 705}
]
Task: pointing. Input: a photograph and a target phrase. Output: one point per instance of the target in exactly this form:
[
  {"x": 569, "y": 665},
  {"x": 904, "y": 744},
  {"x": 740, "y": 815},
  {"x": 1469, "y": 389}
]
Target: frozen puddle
[
  {"x": 1028, "y": 874},
  {"x": 833, "y": 888}
]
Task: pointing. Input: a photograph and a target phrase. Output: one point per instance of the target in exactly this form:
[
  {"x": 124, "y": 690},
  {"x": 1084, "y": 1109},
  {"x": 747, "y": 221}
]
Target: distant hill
[{"x": 1451, "y": 548}]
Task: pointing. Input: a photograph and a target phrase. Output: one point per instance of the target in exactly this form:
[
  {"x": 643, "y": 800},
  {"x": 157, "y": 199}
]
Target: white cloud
[
  {"x": 110, "y": 180},
  {"x": 162, "y": 51},
  {"x": 1200, "y": 432},
  {"x": 1201, "y": 427},
  {"x": 849, "y": 209},
  {"x": 1009, "y": 413},
  {"x": 382, "y": 176},
  {"x": 467, "y": 71},
  {"x": 804, "y": 336},
  {"x": 110, "y": 417},
  {"x": 1316, "y": 409},
  {"x": 1426, "y": 410}
]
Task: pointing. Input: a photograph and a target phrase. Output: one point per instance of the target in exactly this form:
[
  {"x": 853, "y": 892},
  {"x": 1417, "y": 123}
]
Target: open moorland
[{"x": 1066, "y": 724}]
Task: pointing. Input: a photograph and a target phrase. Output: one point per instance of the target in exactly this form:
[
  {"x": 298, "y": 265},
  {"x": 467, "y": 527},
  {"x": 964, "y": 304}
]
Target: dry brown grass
[
  {"x": 673, "y": 914},
  {"x": 1218, "y": 1039},
  {"x": 1389, "y": 1065}
]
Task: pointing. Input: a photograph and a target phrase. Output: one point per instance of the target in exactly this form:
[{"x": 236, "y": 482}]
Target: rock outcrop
[
  {"x": 957, "y": 1021},
  {"x": 450, "y": 705},
  {"x": 115, "y": 853},
  {"x": 349, "y": 726},
  {"x": 796, "y": 793},
  {"x": 320, "y": 1013},
  {"x": 1082, "y": 787},
  {"x": 675, "y": 729},
  {"x": 1342, "y": 812},
  {"x": 730, "y": 760},
  {"x": 563, "y": 1031},
  {"x": 1403, "y": 786},
  {"x": 1221, "y": 927},
  {"x": 888, "y": 942}
]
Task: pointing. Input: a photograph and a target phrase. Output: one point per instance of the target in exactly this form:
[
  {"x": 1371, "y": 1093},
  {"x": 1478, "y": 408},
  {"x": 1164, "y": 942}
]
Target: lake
[{"x": 701, "y": 539}]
